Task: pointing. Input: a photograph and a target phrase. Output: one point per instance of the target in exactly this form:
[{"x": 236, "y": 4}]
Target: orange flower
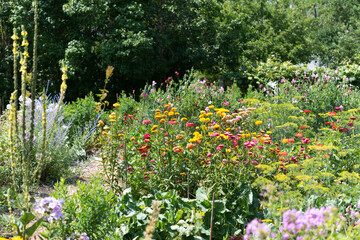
[
  {"x": 190, "y": 146},
  {"x": 299, "y": 135},
  {"x": 178, "y": 149},
  {"x": 179, "y": 137},
  {"x": 284, "y": 154}
]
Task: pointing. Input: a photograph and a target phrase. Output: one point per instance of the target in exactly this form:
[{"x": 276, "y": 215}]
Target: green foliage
[
  {"x": 80, "y": 112},
  {"x": 88, "y": 210}
]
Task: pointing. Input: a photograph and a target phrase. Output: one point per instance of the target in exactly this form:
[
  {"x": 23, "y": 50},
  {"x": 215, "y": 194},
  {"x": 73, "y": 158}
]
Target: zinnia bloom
[
  {"x": 189, "y": 124},
  {"x": 146, "y": 121},
  {"x": 178, "y": 149},
  {"x": 147, "y": 136},
  {"x": 299, "y": 135}
]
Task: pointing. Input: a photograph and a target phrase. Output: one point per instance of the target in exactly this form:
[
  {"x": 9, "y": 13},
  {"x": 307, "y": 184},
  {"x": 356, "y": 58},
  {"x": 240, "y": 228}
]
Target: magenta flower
[
  {"x": 219, "y": 147},
  {"x": 339, "y": 108},
  {"x": 305, "y": 140}
]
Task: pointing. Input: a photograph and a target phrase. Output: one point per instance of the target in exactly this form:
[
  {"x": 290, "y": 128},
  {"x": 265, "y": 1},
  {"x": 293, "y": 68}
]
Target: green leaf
[
  {"x": 141, "y": 216},
  {"x": 219, "y": 206},
  {"x": 26, "y": 218},
  {"x": 178, "y": 215},
  {"x": 201, "y": 194},
  {"x": 30, "y": 231}
]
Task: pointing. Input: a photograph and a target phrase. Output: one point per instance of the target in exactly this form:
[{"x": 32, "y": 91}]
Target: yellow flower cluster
[{"x": 197, "y": 137}]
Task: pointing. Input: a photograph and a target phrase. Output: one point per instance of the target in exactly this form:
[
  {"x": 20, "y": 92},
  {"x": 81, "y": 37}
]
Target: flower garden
[{"x": 192, "y": 160}]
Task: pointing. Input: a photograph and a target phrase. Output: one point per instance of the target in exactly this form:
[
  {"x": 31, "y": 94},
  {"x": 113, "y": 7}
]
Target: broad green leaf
[{"x": 26, "y": 218}]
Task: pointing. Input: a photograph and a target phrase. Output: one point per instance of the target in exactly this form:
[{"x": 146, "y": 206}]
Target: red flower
[
  {"x": 307, "y": 111},
  {"x": 144, "y": 149},
  {"x": 332, "y": 113},
  {"x": 147, "y": 136},
  {"x": 299, "y": 135}
]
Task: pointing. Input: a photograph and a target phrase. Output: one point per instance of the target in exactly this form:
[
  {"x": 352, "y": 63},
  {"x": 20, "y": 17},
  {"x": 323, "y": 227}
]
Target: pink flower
[
  {"x": 176, "y": 73},
  {"x": 147, "y": 122},
  {"x": 215, "y": 134},
  {"x": 219, "y": 147},
  {"x": 189, "y": 124},
  {"x": 147, "y": 136},
  {"x": 226, "y": 103}
]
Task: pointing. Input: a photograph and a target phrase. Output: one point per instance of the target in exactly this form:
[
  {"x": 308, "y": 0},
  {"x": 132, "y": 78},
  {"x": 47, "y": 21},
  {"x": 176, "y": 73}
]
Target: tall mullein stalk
[
  {"x": 23, "y": 69},
  {"x": 12, "y": 132},
  {"x": 15, "y": 37},
  {"x": 31, "y": 157}
]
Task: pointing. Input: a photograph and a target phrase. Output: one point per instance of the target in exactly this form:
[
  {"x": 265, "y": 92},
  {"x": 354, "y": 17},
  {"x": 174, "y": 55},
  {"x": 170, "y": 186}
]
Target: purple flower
[
  {"x": 257, "y": 229},
  {"x": 50, "y": 205}
]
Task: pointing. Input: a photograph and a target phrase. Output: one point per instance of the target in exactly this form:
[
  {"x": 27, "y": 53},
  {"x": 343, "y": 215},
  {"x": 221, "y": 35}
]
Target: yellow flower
[
  {"x": 184, "y": 119},
  {"x": 63, "y": 87},
  {"x": 182, "y": 174},
  {"x": 216, "y": 127},
  {"x": 266, "y": 220},
  {"x": 64, "y": 77},
  {"x": 258, "y": 122},
  {"x": 121, "y": 135},
  {"x": 154, "y": 127},
  {"x": 162, "y": 120},
  {"x": 101, "y": 123},
  {"x": 26, "y": 54},
  {"x": 24, "y": 33},
  {"x": 17, "y": 238},
  {"x": 14, "y": 37},
  {"x": 116, "y": 105},
  {"x": 112, "y": 115},
  {"x": 24, "y": 43},
  {"x": 211, "y": 106}
]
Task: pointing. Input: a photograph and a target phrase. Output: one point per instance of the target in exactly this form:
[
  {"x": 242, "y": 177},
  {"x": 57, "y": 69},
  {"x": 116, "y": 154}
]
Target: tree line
[{"x": 148, "y": 40}]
